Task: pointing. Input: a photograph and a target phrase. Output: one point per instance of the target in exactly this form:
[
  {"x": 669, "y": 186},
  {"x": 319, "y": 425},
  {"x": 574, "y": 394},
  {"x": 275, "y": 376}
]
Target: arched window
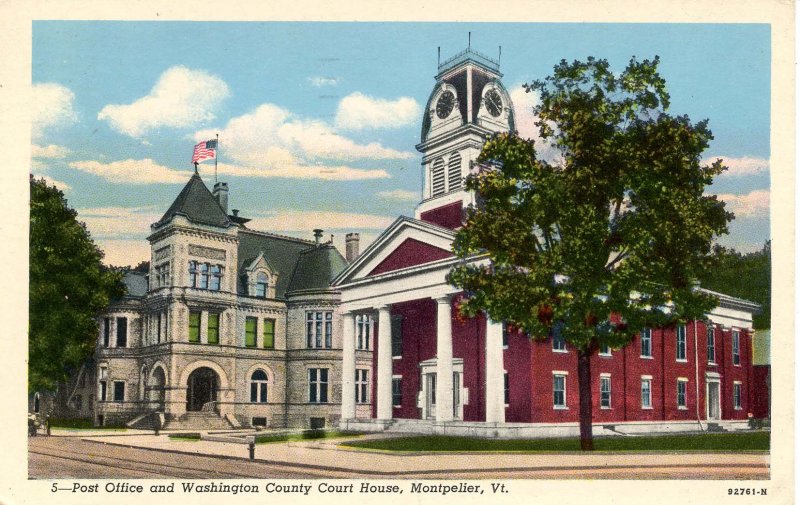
[
  {"x": 258, "y": 387},
  {"x": 437, "y": 177},
  {"x": 261, "y": 285},
  {"x": 454, "y": 172}
]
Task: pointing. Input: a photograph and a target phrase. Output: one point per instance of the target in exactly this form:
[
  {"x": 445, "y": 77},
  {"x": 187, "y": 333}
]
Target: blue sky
[{"x": 318, "y": 121}]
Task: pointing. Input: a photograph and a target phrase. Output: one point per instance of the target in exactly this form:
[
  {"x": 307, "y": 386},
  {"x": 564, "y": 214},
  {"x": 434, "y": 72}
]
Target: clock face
[
  {"x": 493, "y": 102},
  {"x": 445, "y": 104}
]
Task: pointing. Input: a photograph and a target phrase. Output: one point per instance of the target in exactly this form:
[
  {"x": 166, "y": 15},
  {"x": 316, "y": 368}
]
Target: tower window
[
  {"x": 437, "y": 178},
  {"x": 454, "y": 172}
]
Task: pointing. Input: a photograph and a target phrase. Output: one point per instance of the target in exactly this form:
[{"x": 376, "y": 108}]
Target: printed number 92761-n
[{"x": 743, "y": 491}]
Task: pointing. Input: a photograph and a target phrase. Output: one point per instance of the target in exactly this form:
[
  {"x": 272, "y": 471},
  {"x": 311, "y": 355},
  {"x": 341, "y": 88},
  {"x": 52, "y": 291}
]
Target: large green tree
[
  {"x": 68, "y": 287},
  {"x": 605, "y": 237}
]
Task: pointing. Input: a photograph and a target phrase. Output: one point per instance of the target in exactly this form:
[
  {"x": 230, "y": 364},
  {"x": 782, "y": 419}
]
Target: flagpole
[{"x": 216, "y": 159}]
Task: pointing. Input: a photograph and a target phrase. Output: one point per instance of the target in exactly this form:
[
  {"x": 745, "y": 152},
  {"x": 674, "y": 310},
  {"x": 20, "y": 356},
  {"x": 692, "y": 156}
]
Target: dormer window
[
  {"x": 260, "y": 278},
  {"x": 261, "y": 285},
  {"x": 205, "y": 276}
]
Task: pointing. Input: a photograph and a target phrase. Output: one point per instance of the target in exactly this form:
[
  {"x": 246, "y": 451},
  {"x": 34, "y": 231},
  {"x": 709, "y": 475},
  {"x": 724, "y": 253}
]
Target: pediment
[{"x": 406, "y": 244}]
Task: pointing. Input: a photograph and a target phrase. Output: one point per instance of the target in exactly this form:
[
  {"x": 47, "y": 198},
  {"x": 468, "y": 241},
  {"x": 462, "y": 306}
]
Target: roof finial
[
  {"x": 469, "y": 40},
  {"x": 195, "y": 167},
  {"x": 439, "y": 55}
]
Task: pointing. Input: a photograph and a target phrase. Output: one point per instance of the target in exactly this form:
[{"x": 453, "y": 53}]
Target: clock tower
[{"x": 467, "y": 105}]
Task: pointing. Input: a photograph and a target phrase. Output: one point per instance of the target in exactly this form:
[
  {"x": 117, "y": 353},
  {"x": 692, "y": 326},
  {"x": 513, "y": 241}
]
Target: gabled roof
[
  {"x": 198, "y": 205},
  {"x": 316, "y": 268},
  {"x": 280, "y": 252}
]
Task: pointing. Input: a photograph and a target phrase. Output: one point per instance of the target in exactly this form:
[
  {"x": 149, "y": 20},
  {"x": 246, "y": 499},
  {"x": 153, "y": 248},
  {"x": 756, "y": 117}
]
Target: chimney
[
  {"x": 351, "y": 247},
  {"x": 221, "y": 194},
  {"x": 317, "y": 236}
]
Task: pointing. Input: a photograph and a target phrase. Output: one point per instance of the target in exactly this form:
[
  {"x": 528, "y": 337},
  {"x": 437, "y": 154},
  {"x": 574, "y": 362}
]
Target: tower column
[
  {"x": 444, "y": 360},
  {"x": 495, "y": 388},
  {"x": 348, "y": 366},
  {"x": 384, "y": 371}
]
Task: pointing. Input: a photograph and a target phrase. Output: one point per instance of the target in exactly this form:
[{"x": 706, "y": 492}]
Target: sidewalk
[{"x": 326, "y": 454}]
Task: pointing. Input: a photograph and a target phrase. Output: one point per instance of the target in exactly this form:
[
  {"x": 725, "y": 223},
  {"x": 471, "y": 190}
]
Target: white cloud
[
  {"x": 525, "y": 120},
  {"x": 118, "y": 222},
  {"x": 51, "y": 151},
  {"x": 63, "y": 186},
  {"x": 753, "y": 204},
  {"x": 131, "y": 171},
  {"x": 740, "y": 166},
  {"x": 358, "y": 111},
  {"x": 288, "y": 220},
  {"x": 323, "y": 81},
  {"x": 51, "y": 106},
  {"x": 400, "y": 195},
  {"x": 182, "y": 97},
  {"x": 281, "y": 145},
  {"x": 124, "y": 252}
]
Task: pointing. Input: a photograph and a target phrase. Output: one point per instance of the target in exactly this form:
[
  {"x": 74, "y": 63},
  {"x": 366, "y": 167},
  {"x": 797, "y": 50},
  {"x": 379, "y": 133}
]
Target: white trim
[
  {"x": 560, "y": 372},
  {"x": 647, "y": 377},
  {"x": 605, "y": 374}
]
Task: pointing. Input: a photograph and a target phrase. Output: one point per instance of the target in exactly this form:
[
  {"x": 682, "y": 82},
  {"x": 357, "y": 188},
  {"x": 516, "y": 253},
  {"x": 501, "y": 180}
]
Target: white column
[
  {"x": 384, "y": 372},
  {"x": 444, "y": 360},
  {"x": 495, "y": 388},
  {"x": 348, "y": 366}
]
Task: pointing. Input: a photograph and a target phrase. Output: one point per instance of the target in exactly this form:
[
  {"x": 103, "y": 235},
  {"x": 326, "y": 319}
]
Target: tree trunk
[{"x": 585, "y": 398}]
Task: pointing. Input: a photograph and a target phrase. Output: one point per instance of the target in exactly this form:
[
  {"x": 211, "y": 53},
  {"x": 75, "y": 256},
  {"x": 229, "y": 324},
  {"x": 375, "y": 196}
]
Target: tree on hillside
[
  {"x": 747, "y": 276},
  {"x": 68, "y": 287},
  {"x": 609, "y": 238}
]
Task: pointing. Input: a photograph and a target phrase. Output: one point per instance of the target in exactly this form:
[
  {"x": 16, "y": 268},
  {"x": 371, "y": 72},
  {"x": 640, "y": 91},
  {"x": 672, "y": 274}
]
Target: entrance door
[
  {"x": 430, "y": 396},
  {"x": 712, "y": 400},
  {"x": 202, "y": 388}
]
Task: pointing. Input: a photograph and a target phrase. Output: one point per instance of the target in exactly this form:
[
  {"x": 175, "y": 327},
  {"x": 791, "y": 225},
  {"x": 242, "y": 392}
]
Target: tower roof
[{"x": 197, "y": 204}]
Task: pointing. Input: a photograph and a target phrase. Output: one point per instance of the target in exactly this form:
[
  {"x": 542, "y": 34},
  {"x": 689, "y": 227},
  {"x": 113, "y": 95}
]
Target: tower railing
[{"x": 469, "y": 54}]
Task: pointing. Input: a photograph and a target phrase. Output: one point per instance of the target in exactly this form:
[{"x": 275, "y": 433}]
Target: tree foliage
[
  {"x": 597, "y": 242},
  {"x": 68, "y": 287}
]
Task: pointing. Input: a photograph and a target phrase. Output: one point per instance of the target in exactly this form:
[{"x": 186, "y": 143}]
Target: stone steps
[{"x": 200, "y": 421}]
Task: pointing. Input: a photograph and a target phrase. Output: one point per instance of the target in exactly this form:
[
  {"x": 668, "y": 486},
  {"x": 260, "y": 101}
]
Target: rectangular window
[
  {"x": 213, "y": 328},
  {"x": 737, "y": 395},
  {"x": 559, "y": 391},
  {"x": 106, "y": 331},
  {"x": 203, "y": 267},
  {"x": 216, "y": 277},
  {"x": 506, "y": 330},
  {"x": 647, "y": 343},
  {"x": 119, "y": 391},
  {"x": 682, "y": 393},
  {"x": 506, "y": 391},
  {"x": 680, "y": 342},
  {"x": 605, "y": 350},
  {"x": 103, "y": 390},
  {"x": 397, "y": 391},
  {"x": 194, "y": 327},
  {"x": 192, "y": 274},
  {"x": 710, "y": 344},
  {"x": 328, "y": 330},
  {"x": 362, "y": 386},
  {"x": 250, "y": 332},
  {"x": 397, "y": 336},
  {"x": 319, "y": 330},
  {"x": 269, "y": 334},
  {"x": 158, "y": 327},
  {"x": 735, "y": 346},
  {"x": 363, "y": 325},
  {"x": 605, "y": 392},
  {"x": 647, "y": 393},
  {"x": 122, "y": 332},
  {"x": 559, "y": 344},
  {"x": 318, "y": 385}
]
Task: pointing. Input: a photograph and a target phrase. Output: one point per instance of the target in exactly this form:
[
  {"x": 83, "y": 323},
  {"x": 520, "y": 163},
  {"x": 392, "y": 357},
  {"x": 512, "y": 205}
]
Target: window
[
  {"x": 647, "y": 343},
  {"x": 258, "y": 387},
  {"x": 737, "y": 395},
  {"x": 250, "y": 332},
  {"x": 559, "y": 391},
  {"x": 119, "y": 391},
  {"x": 735, "y": 337},
  {"x": 106, "y": 331},
  {"x": 205, "y": 276},
  {"x": 363, "y": 325},
  {"x": 213, "y": 328},
  {"x": 261, "y": 285},
  {"x": 216, "y": 277},
  {"x": 194, "y": 327},
  {"x": 259, "y": 421},
  {"x": 397, "y": 391},
  {"x": 605, "y": 350},
  {"x": 192, "y": 274},
  {"x": 103, "y": 393},
  {"x": 362, "y": 388},
  {"x": 559, "y": 344},
  {"x": 506, "y": 391},
  {"x": 682, "y": 393},
  {"x": 605, "y": 391},
  {"x": 647, "y": 393},
  {"x": 269, "y": 334},
  {"x": 506, "y": 331},
  {"x": 437, "y": 177},
  {"x": 710, "y": 347},
  {"x": 319, "y": 328},
  {"x": 680, "y": 342},
  {"x": 318, "y": 385},
  {"x": 162, "y": 275},
  {"x": 397, "y": 336},
  {"x": 454, "y": 172},
  {"x": 122, "y": 332},
  {"x": 158, "y": 327}
]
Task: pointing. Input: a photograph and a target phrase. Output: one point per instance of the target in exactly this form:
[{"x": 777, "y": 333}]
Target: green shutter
[
  {"x": 250, "y": 332},
  {"x": 194, "y": 327},
  {"x": 213, "y": 328},
  {"x": 269, "y": 333}
]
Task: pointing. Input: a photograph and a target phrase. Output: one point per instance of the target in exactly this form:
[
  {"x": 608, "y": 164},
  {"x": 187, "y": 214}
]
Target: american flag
[{"x": 206, "y": 150}]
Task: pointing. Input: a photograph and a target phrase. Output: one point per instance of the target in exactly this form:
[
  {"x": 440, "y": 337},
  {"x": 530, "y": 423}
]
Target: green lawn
[
  {"x": 748, "y": 441},
  {"x": 299, "y": 437},
  {"x": 193, "y": 437}
]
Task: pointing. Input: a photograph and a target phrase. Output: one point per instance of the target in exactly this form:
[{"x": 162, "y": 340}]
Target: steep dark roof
[
  {"x": 135, "y": 283},
  {"x": 316, "y": 268},
  {"x": 197, "y": 204},
  {"x": 280, "y": 252}
]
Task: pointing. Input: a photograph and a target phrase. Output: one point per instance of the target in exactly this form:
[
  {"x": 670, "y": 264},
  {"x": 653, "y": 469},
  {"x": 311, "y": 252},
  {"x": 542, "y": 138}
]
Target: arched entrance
[{"x": 202, "y": 388}]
